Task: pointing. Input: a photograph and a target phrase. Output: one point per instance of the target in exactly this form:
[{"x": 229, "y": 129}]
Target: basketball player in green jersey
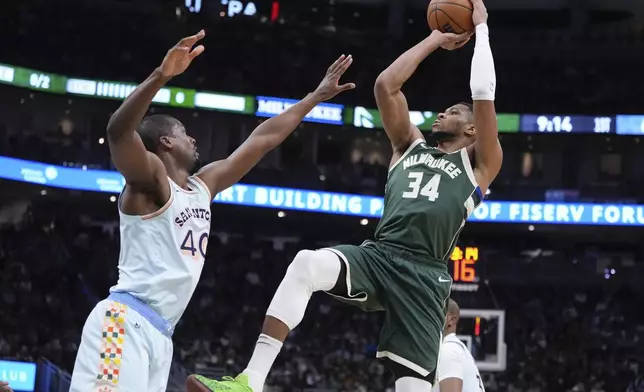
[{"x": 430, "y": 193}]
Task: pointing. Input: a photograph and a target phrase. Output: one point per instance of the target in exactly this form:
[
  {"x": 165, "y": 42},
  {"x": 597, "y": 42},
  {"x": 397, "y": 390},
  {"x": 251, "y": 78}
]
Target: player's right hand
[
  {"x": 4, "y": 387},
  {"x": 180, "y": 56},
  {"x": 451, "y": 41}
]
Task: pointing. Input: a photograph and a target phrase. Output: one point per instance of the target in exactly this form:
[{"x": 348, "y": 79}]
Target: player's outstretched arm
[
  {"x": 271, "y": 133},
  {"x": 138, "y": 166},
  {"x": 389, "y": 97},
  {"x": 488, "y": 152}
]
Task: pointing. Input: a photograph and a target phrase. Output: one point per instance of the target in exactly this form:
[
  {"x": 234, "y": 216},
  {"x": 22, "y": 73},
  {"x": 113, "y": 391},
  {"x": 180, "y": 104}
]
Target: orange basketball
[{"x": 450, "y": 16}]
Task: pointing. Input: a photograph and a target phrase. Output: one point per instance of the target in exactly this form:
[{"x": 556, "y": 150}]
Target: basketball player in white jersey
[
  {"x": 165, "y": 220},
  {"x": 457, "y": 371}
]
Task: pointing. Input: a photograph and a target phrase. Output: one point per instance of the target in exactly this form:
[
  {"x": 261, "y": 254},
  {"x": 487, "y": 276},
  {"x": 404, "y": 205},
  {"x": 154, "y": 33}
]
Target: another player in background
[
  {"x": 165, "y": 223},
  {"x": 430, "y": 193},
  {"x": 457, "y": 371}
]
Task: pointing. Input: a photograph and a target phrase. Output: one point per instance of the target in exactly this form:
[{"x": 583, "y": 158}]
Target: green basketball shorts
[{"x": 412, "y": 292}]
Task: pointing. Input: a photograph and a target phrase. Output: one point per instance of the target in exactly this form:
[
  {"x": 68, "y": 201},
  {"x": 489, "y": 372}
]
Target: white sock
[
  {"x": 262, "y": 360},
  {"x": 309, "y": 272},
  {"x": 412, "y": 384}
]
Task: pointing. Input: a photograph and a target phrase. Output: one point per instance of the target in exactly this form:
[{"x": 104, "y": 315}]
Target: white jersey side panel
[
  {"x": 456, "y": 361},
  {"x": 162, "y": 254}
]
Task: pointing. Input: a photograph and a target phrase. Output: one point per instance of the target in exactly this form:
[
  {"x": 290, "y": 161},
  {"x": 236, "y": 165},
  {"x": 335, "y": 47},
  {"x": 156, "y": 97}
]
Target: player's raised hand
[
  {"x": 451, "y": 41},
  {"x": 479, "y": 15},
  {"x": 4, "y": 387},
  {"x": 180, "y": 56},
  {"x": 330, "y": 87}
]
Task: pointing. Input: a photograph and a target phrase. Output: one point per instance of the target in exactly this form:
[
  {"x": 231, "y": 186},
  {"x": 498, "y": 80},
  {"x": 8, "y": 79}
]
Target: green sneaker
[{"x": 195, "y": 383}]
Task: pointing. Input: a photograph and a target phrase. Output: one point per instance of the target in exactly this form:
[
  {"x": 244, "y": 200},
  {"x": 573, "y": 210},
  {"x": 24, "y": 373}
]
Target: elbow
[
  {"x": 384, "y": 84},
  {"x": 114, "y": 131}
]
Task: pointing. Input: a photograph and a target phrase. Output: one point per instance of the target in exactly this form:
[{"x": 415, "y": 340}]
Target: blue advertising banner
[
  {"x": 21, "y": 376},
  {"x": 326, "y": 113},
  {"x": 333, "y": 203}
]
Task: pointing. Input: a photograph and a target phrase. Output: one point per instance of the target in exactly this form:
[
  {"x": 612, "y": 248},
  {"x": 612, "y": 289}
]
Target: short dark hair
[
  {"x": 470, "y": 109},
  {"x": 152, "y": 128},
  {"x": 468, "y": 105}
]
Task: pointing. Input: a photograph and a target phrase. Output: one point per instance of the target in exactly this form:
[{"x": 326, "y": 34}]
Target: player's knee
[{"x": 318, "y": 270}]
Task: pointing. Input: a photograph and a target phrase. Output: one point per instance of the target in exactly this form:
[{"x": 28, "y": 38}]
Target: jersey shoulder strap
[{"x": 411, "y": 148}]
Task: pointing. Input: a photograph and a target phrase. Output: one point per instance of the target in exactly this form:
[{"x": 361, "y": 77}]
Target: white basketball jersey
[
  {"x": 162, "y": 254},
  {"x": 456, "y": 361}
]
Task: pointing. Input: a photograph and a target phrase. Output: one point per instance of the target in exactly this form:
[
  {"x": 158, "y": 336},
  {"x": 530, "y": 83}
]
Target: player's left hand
[
  {"x": 479, "y": 15},
  {"x": 4, "y": 387},
  {"x": 451, "y": 41},
  {"x": 330, "y": 87}
]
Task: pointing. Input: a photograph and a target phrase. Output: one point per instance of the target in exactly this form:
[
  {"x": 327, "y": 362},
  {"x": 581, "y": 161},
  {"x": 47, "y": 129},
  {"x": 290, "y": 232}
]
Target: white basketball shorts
[{"x": 123, "y": 349}]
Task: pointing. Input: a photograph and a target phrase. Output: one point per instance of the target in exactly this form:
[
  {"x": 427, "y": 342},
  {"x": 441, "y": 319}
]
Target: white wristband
[
  {"x": 482, "y": 29},
  {"x": 483, "y": 76}
]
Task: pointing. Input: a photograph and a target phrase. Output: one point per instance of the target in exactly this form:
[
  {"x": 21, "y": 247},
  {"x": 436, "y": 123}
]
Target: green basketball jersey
[{"x": 429, "y": 195}]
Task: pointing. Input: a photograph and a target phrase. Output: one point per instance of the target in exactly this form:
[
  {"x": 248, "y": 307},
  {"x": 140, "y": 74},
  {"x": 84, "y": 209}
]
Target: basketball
[{"x": 450, "y": 16}]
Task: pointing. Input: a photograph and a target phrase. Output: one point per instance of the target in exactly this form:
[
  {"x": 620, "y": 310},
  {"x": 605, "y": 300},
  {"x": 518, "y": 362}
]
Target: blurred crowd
[{"x": 56, "y": 263}]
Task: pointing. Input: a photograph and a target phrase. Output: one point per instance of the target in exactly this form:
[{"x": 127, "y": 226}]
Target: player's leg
[
  {"x": 411, "y": 337},
  {"x": 113, "y": 351},
  {"x": 310, "y": 271},
  {"x": 408, "y": 380},
  {"x": 335, "y": 270},
  {"x": 160, "y": 362}
]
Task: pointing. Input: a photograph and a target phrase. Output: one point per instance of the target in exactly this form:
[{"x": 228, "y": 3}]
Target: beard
[{"x": 440, "y": 135}]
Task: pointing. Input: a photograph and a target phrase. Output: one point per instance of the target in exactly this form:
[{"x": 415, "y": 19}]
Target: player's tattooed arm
[
  {"x": 271, "y": 133},
  {"x": 487, "y": 150},
  {"x": 140, "y": 167},
  {"x": 392, "y": 103}
]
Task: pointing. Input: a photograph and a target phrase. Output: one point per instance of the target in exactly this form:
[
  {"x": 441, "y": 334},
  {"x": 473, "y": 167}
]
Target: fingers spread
[
  {"x": 346, "y": 63},
  {"x": 335, "y": 64}
]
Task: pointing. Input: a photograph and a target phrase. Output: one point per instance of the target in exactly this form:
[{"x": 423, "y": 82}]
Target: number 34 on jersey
[{"x": 429, "y": 190}]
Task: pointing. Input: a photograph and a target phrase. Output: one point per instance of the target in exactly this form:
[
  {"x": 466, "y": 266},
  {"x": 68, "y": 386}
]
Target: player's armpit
[
  {"x": 487, "y": 149},
  {"x": 451, "y": 385},
  {"x": 223, "y": 174}
]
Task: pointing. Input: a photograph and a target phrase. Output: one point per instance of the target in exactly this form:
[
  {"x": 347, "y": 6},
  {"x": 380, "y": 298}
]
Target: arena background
[{"x": 549, "y": 269}]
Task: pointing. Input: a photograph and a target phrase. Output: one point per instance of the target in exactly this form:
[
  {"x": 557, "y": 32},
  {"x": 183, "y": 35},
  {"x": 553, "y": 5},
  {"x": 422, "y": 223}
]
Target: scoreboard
[
  {"x": 463, "y": 268},
  {"x": 545, "y": 123}
]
